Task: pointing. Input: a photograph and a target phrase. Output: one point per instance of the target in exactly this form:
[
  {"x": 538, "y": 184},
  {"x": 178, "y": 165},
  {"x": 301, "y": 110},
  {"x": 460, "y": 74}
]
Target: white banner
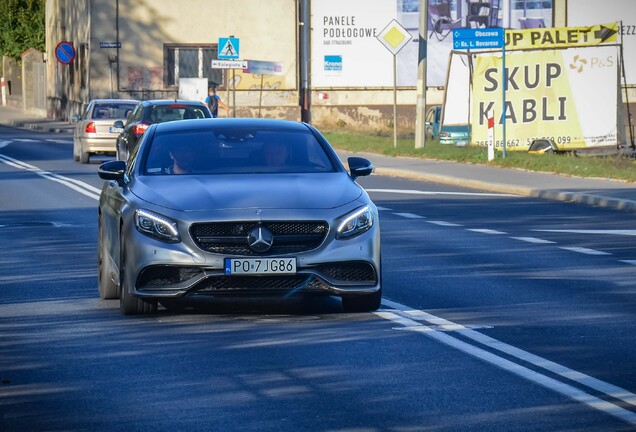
[
  {"x": 345, "y": 50},
  {"x": 589, "y": 12}
]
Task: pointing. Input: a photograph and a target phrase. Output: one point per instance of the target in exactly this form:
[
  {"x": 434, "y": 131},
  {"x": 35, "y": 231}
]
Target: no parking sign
[{"x": 65, "y": 52}]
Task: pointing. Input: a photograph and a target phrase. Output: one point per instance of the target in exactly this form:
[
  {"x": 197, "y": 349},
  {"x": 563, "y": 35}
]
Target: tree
[{"x": 21, "y": 26}]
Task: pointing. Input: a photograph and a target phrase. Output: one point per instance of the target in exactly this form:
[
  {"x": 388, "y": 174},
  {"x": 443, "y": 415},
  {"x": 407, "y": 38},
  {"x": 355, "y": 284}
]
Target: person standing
[{"x": 213, "y": 101}]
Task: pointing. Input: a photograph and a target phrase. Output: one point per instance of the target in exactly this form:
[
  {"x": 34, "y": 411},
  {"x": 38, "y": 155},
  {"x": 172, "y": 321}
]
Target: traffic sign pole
[
  {"x": 394, "y": 37},
  {"x": 487, "y": 38},
  {"x": 504, "y": 84}
]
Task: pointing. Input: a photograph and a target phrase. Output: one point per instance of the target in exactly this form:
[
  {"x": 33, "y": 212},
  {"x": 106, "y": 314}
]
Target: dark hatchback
[{"x": 155, "y": 111}]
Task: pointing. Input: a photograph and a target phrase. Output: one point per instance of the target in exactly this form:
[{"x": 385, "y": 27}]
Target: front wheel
[
  {"x": 121, "y": 151},
  {"x": 130, "y": 304},
  {"x": 107, "y": 287},
  {"x": 363, "y": 303}
]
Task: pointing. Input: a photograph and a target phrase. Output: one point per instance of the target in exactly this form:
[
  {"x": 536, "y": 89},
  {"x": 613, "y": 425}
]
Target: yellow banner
[
  {"x": 568, "y": 96},
  {"x": 561, "y": 37}
]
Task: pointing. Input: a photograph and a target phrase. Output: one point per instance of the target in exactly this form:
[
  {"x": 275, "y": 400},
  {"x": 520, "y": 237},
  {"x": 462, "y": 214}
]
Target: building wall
[{"x": 267, "y": 31}]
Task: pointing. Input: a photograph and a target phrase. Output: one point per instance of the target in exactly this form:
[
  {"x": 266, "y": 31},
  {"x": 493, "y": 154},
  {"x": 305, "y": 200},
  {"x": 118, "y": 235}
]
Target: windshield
[
  {"x": 112, "y": 110},
  {"x": 235, "y": 151},
  {"x": 166, "y": 113}
]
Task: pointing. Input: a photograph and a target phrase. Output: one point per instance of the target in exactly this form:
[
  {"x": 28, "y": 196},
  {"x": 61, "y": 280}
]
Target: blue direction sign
[
  {"x": 65, "y": 52},
  {"x": 229, "y": 48},
  {"x": 481, "y": 38}
]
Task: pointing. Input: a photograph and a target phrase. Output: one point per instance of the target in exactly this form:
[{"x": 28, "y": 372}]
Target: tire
[
  {"x": 128, "y": 303},
  {"x": 106, "y": 286},
  {"x": 84, "y": 157},
  {"x": 363, "y": 303},
  {"x": 121, "y": 153},
  {"x": 173, "y": 305},
  {"x": 75, "y": 152}
]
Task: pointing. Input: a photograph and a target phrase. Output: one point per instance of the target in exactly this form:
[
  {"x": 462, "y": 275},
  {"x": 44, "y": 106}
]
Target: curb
[
  {"x": 42, "y": 128},
  {"x": 569, "y": 197}
]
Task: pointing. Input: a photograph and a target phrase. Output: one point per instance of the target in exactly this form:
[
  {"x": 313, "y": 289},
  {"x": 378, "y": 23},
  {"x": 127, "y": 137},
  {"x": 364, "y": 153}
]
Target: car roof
[
  {"x": 132, "y": 101},
  {"x": 171, "y": 101},
  {"x": 247, "y": 123}
]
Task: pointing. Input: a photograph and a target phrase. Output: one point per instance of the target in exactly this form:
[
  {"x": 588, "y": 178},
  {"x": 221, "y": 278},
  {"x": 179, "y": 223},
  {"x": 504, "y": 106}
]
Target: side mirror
[
  {"x": 359, "y": 167},
  {"x": 75, "y": 118},
  {"x": 118, "y": 124},
  {"x": 112, "y": 170}
]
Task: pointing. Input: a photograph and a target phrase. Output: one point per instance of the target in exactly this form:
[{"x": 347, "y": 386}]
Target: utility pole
[
  {"x": 304, "y": 31},
  {"x": 420, "y": 105}
]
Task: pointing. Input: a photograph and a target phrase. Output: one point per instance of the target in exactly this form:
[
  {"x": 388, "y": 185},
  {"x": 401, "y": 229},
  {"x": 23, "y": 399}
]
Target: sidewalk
[
  {"x": 18, "y": 118},
  {"x": 588, "y": 191}
]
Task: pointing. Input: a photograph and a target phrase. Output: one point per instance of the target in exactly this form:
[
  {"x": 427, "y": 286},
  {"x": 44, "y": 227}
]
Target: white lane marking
[
  {"x": 443, "y": 223},
  {"x": 384, "y": 209},
  {"x": 419, "y": 192},
  {"x": 585, "y": 251},
  {"x": 632, "y": 262},
  {"x": 58, "y": 141},
  {"x": 623, "y": 232},
  {"x": 4, "y": 143},
  {"x": 25, "y": 140},
  {"x": 533, "y": 240},
  {"x": 79, "y": 186},
  {"x": 550, "y": 383},
  {"x": 486, "y": 231},
  {"x": 409, "y": 215}
]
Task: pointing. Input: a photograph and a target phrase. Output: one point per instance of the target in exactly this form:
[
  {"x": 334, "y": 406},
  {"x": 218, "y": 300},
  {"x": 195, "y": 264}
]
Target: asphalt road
[{"x": 501, "y": 313}]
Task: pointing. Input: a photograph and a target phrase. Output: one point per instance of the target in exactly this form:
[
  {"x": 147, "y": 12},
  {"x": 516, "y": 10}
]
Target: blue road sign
[
  {"x": 481, "y": 38},
  {"x": 229, "y": 49},
  {"x": 65, "y": 52}
]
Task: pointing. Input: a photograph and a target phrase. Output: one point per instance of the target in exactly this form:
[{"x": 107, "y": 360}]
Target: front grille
[
  {"x": 166, "y": 276},
  {"x": 230, "y": 238},
  {"x": 359, "y": 272},
  {"x": 257, "y": 284}
]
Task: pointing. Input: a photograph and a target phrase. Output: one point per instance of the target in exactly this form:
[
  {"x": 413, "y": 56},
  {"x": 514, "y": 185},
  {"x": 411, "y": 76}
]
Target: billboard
[
  {"x": 567, "y": 95},
  {"x": 347, "y": 31},
  {"x": 345, "y": 51}
]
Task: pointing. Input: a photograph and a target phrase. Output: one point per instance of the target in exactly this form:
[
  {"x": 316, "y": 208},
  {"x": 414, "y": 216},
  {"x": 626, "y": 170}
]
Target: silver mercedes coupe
[{"x": 229, "y": 208}]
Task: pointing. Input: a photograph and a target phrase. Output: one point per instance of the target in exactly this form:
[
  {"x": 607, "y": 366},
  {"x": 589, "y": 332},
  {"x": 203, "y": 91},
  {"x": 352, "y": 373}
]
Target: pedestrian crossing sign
[{"x": 228, "y": 48}]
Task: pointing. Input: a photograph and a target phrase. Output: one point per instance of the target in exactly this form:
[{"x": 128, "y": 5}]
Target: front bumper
[
  {"x": 99, "y": 144},
  {"x": 158, "y": 270},
  {"x": 337, "y": 278}
]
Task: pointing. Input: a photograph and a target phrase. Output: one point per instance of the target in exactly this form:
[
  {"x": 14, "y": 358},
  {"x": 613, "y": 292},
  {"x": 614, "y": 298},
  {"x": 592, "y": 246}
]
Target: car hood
[{"x": 230, "y": 191}]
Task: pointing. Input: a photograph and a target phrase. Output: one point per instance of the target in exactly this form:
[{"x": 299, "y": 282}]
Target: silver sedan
[
  {"x": 236, "y": 207},
  {"x": 94, "y": 132}
]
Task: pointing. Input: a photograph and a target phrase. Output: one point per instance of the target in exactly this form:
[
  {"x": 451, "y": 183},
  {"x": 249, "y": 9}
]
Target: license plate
[
  {"x": 260, "y": 266},
  {"x": 116, "y": 130}
]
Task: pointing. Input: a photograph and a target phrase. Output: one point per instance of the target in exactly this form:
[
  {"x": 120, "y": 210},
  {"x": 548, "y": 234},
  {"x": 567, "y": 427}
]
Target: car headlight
[
  {"x": 355, "y": 223},
  {"x": 156, "y": 226}
]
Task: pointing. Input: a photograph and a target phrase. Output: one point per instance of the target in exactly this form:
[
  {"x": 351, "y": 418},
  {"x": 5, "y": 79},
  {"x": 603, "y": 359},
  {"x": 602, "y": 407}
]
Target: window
[{"x": 191, "y": 61}]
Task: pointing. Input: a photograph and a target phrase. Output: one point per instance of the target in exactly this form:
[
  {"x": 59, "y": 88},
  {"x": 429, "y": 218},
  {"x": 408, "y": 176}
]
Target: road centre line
[
  {"x": 596, "y": 231},
  {"x": 419, "y": 192},
  {"x": 443, "y": 223},
  {"x": 79, "y": 186},
  {"x": 533, "y": 240},
  {"x": 409, "y": 215},
  {"x": 583, "y": 250},
  {"x": 486, "y": 231},
  {"x": 408, "y": 318}
]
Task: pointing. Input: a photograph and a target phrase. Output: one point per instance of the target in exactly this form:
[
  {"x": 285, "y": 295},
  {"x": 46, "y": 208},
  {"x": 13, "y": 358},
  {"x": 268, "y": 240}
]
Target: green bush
[{"x": 612, "y": 164}]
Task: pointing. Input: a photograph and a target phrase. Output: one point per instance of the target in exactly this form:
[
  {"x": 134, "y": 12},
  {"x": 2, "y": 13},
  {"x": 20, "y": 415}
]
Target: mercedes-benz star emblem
[{"x": 260, "y": 239}]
